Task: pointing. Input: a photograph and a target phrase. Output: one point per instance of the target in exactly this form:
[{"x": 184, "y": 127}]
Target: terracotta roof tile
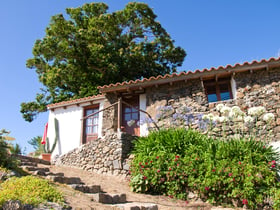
[
  {"x": 186, "y": 75},
  {"x": 75, "y": 101}
]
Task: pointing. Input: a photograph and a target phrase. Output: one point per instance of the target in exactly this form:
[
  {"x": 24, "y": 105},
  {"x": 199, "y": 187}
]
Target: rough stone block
[
  {"x": 116, "y": 164},
  {"x": 138, "y": 206},
  {"x": 86, "y": 188},
  {"x": 103, "y": 198},
  {"x": 39, "y": 173},
  {"x": 109, "y": 199}
]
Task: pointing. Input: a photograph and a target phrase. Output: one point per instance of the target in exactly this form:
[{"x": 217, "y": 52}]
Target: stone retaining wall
[{"x": 108, "y": 155}]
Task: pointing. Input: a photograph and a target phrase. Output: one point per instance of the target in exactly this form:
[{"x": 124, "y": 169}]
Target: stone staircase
[{"x": 117, "y": 201}]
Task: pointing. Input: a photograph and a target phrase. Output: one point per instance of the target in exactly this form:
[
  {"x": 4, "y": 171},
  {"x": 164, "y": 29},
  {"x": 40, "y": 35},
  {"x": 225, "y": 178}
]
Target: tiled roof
[
  {"x": 75, "y": 101},
  {"x": 189, "y": 75}
]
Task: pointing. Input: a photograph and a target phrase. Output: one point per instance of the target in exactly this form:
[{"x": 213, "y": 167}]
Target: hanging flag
[{"x": 45, "y": 134}]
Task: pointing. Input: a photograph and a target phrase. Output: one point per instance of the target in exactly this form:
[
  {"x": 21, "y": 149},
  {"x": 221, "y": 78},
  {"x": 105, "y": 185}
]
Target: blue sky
[{"x": 213, "y": 33}]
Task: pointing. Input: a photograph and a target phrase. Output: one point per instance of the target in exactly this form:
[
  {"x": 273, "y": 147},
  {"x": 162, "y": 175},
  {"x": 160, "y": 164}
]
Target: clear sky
[{"x": 213, "y": 33}]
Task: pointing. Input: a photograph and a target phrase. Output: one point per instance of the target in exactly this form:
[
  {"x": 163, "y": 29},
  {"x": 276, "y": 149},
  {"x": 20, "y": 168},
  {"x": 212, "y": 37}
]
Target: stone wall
[
  {"x": 257, "y": 88},
  {"x": 108, "y": 155},
  {"x": 110, "y": 120}
]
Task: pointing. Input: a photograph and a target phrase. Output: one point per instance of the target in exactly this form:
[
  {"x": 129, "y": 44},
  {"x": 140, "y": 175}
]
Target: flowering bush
[
  {"x": 175, "y": 162},
  {"x": 226, "y": 122}
]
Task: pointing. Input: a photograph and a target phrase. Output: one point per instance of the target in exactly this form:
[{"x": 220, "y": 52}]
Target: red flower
[
  {"x": 206, "y": 188},
  {"x": 244, "y": 201},
  {"x": 157, "y": 157},
  {"x": 142, "y": 166},
  {"x": 144, "y": 177},
  {"x": 177, "y": 156},
  {"x": 169, "y": 169},
  {"x": 146, "y": 163},
  {"x": 230, "y": 174},
  {"x": 151, "y": 161},
  {"x": 178, "y": 164},
  {"x": 213, "y": 170},
  {"x": 273, "y": 166},
  {"x": 273, "y": 162},
  {"x": 158, "y": 170},
  {"x": 239, "y": 162}
]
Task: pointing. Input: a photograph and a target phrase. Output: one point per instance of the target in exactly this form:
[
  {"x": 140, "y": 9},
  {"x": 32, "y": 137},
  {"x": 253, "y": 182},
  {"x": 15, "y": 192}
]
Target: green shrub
[
  {"x": 29, "y": 190},
  {"x": 176, "y": 161}
]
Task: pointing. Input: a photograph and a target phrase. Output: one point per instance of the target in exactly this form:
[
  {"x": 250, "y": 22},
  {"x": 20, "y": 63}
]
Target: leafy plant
[
  {"x": 37, "y": 145},
  {"x": 29, "y": 190},
  {"x": 175, "y": 162}
]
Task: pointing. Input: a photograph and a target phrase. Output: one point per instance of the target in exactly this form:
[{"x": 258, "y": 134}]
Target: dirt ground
[{"x": 115, "y": 185}]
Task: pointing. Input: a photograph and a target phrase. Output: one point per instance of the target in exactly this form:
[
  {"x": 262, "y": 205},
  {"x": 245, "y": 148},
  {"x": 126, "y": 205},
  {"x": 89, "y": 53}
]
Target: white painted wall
[
  {"x": 70, "y": 127},
  {"x": 69, "y": 122},
  {"x": 143, "y": 106}
]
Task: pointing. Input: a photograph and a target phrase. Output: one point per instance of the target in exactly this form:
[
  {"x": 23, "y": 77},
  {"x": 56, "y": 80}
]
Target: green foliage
[
  {"x": 29, "y": 190},
  {"x": 6, "y": 160},
  {"x": 177, "y": 161},
  {"x": 93, "y": 48},
  {"x": 36, "y": 143},
  {"x": 15, "y": 149}
]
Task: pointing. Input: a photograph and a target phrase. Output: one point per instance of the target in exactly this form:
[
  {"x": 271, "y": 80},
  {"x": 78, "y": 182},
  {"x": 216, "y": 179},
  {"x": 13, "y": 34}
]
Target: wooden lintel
[
  {"x": 77, "y": 104},
  {"x": 64, "y": 107}
]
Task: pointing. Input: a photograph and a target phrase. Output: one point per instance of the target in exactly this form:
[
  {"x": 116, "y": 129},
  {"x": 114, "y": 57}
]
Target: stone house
[{"x": 89, "y": 119}]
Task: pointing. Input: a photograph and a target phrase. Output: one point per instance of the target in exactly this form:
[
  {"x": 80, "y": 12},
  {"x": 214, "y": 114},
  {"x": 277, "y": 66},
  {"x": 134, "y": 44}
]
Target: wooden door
[{"x": 91, "y": 124}]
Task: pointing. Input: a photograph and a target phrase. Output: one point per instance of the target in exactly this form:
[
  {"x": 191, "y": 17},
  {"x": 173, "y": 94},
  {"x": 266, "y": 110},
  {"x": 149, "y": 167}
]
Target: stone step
[
  {"x": 32, "y": 159},
  {"x": 32, "y": 168},
  {"x": 86, "y": 188},
  {"x": 65, "y": 180},
  {"x": 109, "y": 198},
  {"x": 138, "y": 206},
  {"x": 27, "y": 163},
  {"x": 43, "y": 173}
]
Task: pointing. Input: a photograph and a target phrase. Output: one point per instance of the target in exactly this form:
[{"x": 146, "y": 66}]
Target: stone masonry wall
[
  {"x": 257, "y": 88},
  {"x": 108, "y": 155}
]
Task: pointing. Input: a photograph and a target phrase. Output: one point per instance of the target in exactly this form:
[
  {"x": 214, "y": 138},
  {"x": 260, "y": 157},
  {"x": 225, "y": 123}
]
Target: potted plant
[{"x": 47, "y": 150}]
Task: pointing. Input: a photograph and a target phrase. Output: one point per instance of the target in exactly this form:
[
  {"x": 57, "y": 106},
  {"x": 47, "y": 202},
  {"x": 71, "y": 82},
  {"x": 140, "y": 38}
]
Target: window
[
  {"x": 91, "y": 123},
  {"x": 218, "y": 90}
]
